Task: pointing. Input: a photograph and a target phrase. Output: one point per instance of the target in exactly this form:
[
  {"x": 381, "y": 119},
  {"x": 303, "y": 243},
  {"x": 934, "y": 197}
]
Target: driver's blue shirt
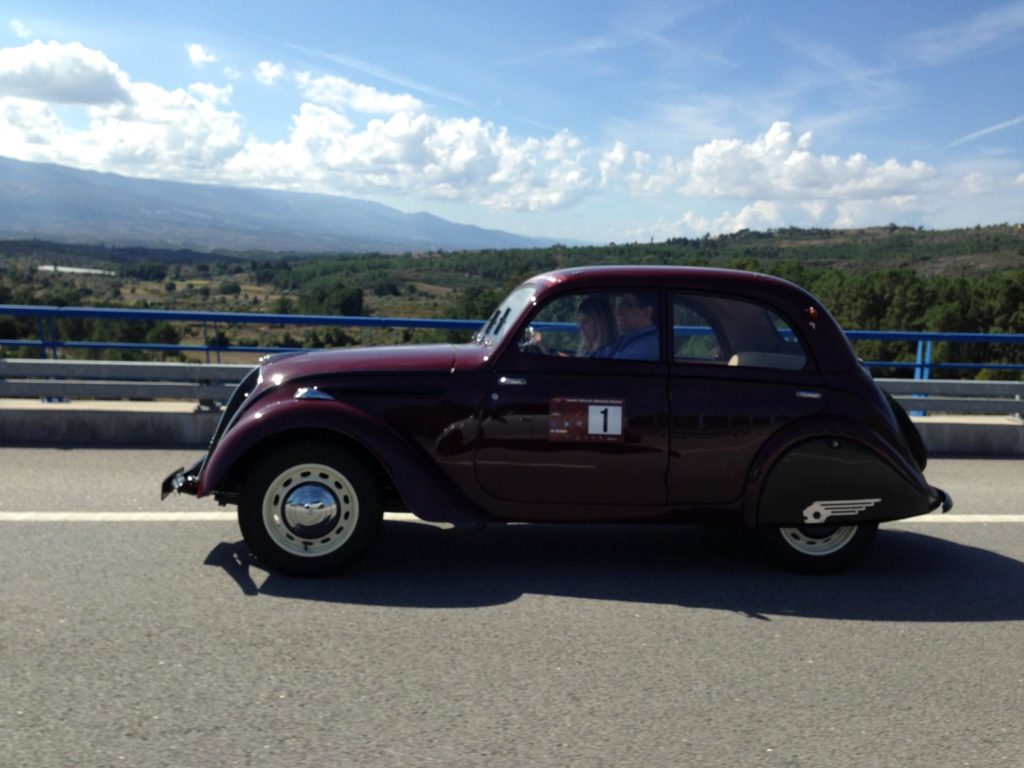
[{"x": 637, "y": 345}]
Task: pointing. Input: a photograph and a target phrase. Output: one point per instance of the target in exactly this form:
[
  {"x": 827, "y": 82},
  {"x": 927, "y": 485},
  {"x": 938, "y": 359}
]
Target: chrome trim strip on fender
[
  {"x": 311, "y": 393},
  {"x": 808, "y": 395}
]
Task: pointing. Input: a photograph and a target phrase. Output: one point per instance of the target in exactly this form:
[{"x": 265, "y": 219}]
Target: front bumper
[
  {"x": 941, "y": 499},
  {"x": 183, "y": 480}
]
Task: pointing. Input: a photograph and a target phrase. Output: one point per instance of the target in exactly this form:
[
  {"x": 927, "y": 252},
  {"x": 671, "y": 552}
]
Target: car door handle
[
  {"x": 508, "y": 381},
  {"x": 808, "y": 395}
]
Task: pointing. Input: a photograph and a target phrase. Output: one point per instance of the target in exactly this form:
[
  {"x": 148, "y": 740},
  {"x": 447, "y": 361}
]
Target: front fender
[{"x": 428, "y": 493}]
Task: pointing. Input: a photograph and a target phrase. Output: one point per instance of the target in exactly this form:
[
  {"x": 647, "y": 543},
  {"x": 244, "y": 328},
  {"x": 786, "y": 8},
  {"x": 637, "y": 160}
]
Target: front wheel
[
  {"x": 309, "y": 510},
  {"x": 817, "y": 548}
]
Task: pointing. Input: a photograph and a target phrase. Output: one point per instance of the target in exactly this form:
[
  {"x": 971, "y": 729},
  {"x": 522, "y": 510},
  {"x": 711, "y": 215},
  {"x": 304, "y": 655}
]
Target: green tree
[{"x": 331, "y": 297}]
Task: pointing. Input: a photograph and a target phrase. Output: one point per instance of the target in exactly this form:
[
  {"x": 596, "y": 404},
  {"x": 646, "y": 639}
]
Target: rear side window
[{"x": 733, "y": 332}]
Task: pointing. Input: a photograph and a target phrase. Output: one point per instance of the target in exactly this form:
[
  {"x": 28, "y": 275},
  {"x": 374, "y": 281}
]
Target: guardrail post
[
  {"x": 52, "y": 323},
  {"x": 920, "y": 372},
  {"x": 206, "y": 342},
  {"x": 928, "y": 360},
  {"x": 43, "y": 353}
]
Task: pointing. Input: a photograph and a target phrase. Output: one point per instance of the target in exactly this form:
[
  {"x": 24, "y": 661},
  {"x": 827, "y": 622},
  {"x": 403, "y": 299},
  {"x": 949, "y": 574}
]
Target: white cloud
[
  {"x": 61, "y": 73},
  {"x": 199, "y": 56},
  {"x": 977, "y": 183},
  {"x": 337, "y": 92},
  {"x": 815, "y": 209},
  {"x": 639, "y": 172},
  {"x": 27, "y": 128},
  {"x": 1019, "y": 181},
  {"x": 268, "y": 72},
  {"x": 173, "y": 134},
  {"x": 612, "y": 161},
  {"x": 191, "y": 134},
  {"x": 863, "y": 213},
  {"x": 20, "y": 29},
  {"x": 422, "y": 156},
  {"x": 778, "y": 180},
  {"x": 778, "y": 165},
  {"x": 772, "y": 181},
  {"x": 212, "y": 93},
  {"x": 761, "y": 214},
  {"x": 232, "y": 74},
  {"x": 176, "y": 134},
  {"x": 987, "y": 31}
]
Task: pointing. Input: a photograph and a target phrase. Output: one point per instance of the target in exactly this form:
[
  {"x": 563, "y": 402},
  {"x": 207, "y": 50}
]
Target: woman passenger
[{"x": 598, "y": 327}]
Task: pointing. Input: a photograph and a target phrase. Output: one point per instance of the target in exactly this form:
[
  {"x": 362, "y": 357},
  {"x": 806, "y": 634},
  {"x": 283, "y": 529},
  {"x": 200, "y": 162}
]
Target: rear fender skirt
[
  {"x": 837, "y": 481},
  {"x": 910, "y": 433},
  {"x": 823, "y": 432},
  {"x": 427, "y": 492}
]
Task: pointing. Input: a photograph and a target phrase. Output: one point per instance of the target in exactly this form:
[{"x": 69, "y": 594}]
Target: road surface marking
[
  {"x": 220, "y": 517},
  {"x": 140, "y": 517}
]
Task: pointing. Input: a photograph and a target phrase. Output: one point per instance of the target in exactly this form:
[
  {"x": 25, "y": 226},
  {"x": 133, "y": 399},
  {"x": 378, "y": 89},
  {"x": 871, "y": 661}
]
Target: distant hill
[{"x": 63, "y": 204}]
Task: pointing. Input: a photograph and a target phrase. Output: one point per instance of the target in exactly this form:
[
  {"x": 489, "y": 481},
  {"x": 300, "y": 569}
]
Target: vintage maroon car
[{"x": 600, "y": 394}]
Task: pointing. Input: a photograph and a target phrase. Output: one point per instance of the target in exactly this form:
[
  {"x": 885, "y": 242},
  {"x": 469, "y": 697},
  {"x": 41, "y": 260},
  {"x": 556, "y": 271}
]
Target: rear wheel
[
  {"x": 309, "y": 509},
  {"x": 817, "y": 548}
]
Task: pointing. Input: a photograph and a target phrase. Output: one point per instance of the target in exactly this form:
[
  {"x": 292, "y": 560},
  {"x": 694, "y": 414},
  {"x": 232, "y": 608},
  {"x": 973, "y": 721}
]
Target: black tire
[
  {"x": 309, "y": 509},
  {"x": 817, "y": 548}
]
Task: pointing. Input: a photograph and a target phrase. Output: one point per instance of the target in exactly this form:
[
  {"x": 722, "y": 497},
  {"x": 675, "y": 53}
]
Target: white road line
[
  {"x": 141, "y": 517},
  {"x": 940, "y": 518},
  {"x": 220, "y": 517}
]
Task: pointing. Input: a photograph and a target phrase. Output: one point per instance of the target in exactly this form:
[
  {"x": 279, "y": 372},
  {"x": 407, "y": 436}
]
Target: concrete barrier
[
  {"x": 150, "y": 425},
  {"x": 971, "y": 435},
  {"x": 177, "y": 425}
]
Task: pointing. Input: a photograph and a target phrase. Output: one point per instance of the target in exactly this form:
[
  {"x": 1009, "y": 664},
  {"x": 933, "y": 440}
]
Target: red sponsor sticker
[{"x": 586, "y": 420}]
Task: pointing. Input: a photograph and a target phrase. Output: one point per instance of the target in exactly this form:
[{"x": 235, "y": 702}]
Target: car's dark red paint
[{"x": 493, "y": 431}]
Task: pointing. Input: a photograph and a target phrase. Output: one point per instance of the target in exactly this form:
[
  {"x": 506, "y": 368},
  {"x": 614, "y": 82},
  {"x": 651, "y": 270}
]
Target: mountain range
[{"x": 64, "y": 204}]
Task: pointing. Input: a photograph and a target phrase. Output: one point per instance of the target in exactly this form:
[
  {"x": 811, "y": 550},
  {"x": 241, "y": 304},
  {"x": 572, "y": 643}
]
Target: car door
[
  {"x": 578, "y": 431},
  {"x": 739, "y": 374}
]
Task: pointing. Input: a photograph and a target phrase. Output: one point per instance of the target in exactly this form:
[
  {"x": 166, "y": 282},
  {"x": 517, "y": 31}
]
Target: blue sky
[{"x": 600, "y": 121}]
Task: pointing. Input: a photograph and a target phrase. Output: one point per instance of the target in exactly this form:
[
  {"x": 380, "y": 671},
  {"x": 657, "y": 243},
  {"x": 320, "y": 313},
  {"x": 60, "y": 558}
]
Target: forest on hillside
[{"x": 890, "y": 278}]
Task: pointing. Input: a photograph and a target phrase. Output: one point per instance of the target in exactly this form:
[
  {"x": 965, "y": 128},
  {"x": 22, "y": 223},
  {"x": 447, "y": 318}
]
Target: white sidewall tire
[
  {"x": 309, "y": 509},
  {"x": 817, "y": 549}
]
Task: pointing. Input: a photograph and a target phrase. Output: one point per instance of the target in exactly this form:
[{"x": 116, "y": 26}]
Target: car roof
[{"x": 703, "y": 278}]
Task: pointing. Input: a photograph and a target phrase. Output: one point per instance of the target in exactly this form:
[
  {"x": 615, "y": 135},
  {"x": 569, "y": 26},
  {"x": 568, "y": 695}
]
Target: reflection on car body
[{"x": 748, "y": 407}]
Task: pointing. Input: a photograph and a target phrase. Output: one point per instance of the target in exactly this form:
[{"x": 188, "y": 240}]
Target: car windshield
[{"x": 504, "y": 317}]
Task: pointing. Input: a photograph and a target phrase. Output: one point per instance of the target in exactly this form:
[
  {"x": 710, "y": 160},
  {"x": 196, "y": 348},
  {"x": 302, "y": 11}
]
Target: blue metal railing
[{"x": 49, "y": 342}]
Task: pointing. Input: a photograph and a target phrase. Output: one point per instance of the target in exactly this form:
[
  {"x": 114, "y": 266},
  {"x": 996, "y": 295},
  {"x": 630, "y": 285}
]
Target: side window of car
[
  {"x": 612, "y": 325},
  {"x": 693, "y": 335},
  {"x": 733, "y": 332}
]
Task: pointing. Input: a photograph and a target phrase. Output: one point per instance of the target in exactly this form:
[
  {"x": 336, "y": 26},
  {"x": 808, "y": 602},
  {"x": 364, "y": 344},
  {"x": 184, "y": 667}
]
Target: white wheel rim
[
  {"x": 818, "y": 540},
  {"x": 310, "y": 510}
]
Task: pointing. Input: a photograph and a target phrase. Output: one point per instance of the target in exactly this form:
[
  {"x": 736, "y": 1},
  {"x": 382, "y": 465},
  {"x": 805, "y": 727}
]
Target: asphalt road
[{"x": 137, "y": 642}]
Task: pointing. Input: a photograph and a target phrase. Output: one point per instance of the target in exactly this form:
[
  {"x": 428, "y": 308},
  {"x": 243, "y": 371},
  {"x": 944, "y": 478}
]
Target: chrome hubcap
[
  {"x": 310, "y": 510},
  {"x": 818, "y": 540}
]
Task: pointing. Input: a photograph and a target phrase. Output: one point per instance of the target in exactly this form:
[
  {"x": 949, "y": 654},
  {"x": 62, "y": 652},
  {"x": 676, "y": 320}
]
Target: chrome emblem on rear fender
[{"x": 820, "y": 511}]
